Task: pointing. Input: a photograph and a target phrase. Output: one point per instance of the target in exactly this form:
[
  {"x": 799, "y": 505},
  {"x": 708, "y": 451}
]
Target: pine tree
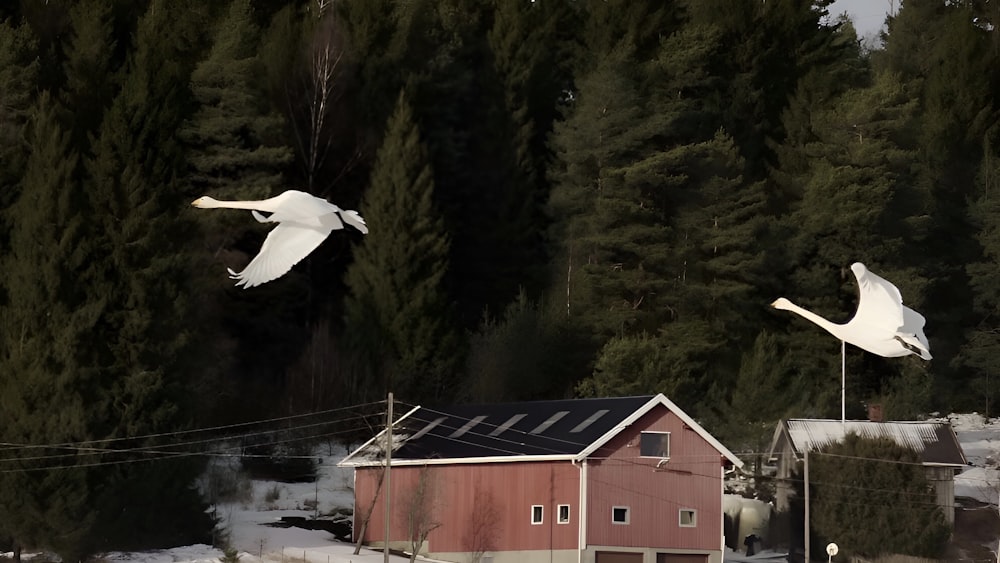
[
  {"x": 396, "y": 310},
  {"x": 143, "y": 350},
  {"x": 611, "y": 235},
  {"x": 90, "y": 67},
  {"x": 233, "y": 139},
  {"x": 18, "y": 73},
  {"x": 857, "y": 198},
  {"x": 863, "y": 480},
  {"x": 44, "y": 499}
]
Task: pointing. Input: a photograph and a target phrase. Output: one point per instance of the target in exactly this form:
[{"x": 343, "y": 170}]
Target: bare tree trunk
[
  {"x": 320, "y": 89},
  {"x": 420, "y": 510}
]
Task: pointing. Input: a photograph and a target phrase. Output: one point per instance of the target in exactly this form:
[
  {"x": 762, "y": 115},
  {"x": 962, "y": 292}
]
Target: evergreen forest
[{"x": 566, "y": 198}]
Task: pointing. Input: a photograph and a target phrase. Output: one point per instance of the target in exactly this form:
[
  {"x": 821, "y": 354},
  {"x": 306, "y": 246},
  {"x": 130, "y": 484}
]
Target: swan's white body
[
  {"x": 882, "y": 324},
  {"x": 304, "y": 221}
]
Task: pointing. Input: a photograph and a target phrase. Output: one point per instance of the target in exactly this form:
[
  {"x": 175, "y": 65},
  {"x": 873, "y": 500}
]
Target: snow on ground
[
  {"x": 246, "y": 523},
  {"x": 980, "y": 439}
]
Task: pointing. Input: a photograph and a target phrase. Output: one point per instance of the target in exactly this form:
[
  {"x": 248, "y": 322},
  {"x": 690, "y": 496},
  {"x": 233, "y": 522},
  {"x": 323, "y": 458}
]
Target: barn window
[
  {"x": 537, "y": 513},
  {"x": 688, "y": 518},
  {"x": 563, "y": 514},
  {"x": 619, "y": 514},
  {"x": 654, "y": 444}
]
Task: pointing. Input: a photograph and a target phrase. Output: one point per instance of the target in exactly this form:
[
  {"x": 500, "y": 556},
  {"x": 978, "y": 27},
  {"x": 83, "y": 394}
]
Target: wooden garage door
[
  {"x": 618, "y": 557},
  {"x": 681, "y": 558}
]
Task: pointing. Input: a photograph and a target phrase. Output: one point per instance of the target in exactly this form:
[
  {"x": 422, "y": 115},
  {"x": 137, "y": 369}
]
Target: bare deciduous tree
[
  {"x": 483, "y": 531},
  {"x": 421, "y": 506}
]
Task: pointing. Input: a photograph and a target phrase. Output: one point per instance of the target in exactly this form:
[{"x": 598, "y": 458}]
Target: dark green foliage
[
  {"x": 90, "y": 66},
  {"x": 18, "y": 73},
  {"x": 141, "y": 350},
  {"x": 397, "y": 315},
  {"x": 530, "y": 353},
  {"x": 43, "y": 323},
  {"x": 860, "y": 481},
  {"x": 234, "y": 137}
]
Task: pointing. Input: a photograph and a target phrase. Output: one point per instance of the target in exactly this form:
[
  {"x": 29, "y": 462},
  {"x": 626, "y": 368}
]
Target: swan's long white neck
[
  {"x": 832, "y": 328},
  {"x": 210, "y": 203}
]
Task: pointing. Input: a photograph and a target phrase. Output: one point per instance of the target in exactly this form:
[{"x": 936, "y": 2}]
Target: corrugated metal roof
[{"x": 934, "y": 441}]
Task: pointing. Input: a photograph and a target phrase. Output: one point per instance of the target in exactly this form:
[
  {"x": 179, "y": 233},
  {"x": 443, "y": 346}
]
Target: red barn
[{"x": 617, "y": 480}]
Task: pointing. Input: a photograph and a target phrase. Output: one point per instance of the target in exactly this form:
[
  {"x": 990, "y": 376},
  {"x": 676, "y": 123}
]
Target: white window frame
[
  {"x": 628, "y": 515},
  {"x": 559, "y": 514},
  {"x": 661, "y": 434},
  {"x": 541, "y": 515},
  {"x": 694, "y": 518}
]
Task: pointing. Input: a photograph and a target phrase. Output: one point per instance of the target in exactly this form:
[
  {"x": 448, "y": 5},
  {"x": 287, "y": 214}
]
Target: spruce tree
[
  {"x": 858, "y": 481},
  {"x": 45, "y": 500},
  {"x": 856, "y": 198},
  {"x": 90, "y": 67},
  {"x": 610, "y": 234},
  {"x": 396, "y": 311},
  {"x": 144, "y": 351},
  {"x": 18, "y": 73}
]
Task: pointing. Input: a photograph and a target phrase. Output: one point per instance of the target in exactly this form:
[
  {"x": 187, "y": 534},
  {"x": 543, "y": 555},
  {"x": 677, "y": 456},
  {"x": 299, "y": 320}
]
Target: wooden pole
[
  {"x": 388, "y": 464},
  {"x": 805, "y": 472}
]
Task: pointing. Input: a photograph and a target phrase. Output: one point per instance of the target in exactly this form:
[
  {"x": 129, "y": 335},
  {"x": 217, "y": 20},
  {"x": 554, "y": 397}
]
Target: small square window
[
  {"x": 563, "y": 516},
  {"x": 537, "y": 513},
  {"x": 688, "y": 518},
  {"x": 654, "y": 444},
  {"x": 619, "y": 514}
]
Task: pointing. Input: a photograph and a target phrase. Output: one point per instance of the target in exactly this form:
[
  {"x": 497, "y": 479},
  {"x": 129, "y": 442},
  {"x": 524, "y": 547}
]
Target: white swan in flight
[
  {"x": 882, "y": 324},
  {"x": 304, "y": 221}
]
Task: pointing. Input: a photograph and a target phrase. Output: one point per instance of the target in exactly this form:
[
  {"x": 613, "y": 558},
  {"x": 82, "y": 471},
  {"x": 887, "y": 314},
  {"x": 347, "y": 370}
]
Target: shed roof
[
  {"x": 936, "y": 442},
  {"x": 535, "y": 430}
]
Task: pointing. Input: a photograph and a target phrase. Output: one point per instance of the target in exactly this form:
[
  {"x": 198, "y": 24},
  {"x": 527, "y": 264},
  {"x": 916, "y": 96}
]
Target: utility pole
[
  {"x": 805, "y": 475},
  {"x": 388, "y": 485}
]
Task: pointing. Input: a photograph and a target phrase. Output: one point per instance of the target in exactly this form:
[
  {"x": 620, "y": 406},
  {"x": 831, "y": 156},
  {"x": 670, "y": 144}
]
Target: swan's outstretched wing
[
  {"x": 912, "y": 333},
  {"x": 285, "y": 246},
  {"x": 352, "y": 218},
  {"x": 880, "y": 304}
]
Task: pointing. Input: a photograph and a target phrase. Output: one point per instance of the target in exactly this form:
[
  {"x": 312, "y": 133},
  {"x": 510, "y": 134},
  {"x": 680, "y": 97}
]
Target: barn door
[
  {"x": 618, "y": 557},
  {"x": 681, "y": 558}
]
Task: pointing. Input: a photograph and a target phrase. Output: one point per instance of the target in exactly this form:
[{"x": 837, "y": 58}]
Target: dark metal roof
[{"x": 564, "y": 427}]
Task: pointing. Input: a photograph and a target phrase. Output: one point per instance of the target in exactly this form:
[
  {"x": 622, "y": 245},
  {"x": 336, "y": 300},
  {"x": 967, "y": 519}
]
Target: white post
[{"x": 843, "y": 381}]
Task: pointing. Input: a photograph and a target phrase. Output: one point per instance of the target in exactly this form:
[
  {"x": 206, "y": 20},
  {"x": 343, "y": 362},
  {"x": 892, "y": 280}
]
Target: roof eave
[{"x": 459, "y": 460}]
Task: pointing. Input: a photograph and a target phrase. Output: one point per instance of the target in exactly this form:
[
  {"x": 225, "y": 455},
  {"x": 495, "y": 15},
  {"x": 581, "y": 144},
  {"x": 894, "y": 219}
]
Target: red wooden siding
[
  {"x": 464, "y": 489},
  {"x": 618, "y": 476}
]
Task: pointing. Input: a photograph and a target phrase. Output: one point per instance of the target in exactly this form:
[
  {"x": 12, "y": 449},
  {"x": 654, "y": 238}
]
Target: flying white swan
[
  {"x": 882, "y": 324},
  {"x": 304, "y": 221}
]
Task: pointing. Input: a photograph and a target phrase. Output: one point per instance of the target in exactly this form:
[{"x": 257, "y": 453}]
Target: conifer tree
[
  {"x": 858, "y": 481},
  {"x": 611, "y": 233},
  {"x": 45, "y": 502},
  {"x": 234, "y": 138},
  {"x": 396, "y": 310},
  {"x": 18, "y": 73},
  {"x": 523, "y": 44},
  {"x": 143, "y": 350},
  {"x": 90, "y": 67},
  {"x": 859, "y": 200}
]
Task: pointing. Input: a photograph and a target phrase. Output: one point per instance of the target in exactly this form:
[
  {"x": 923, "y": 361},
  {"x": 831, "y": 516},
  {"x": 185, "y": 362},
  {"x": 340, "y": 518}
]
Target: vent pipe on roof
[{"x": 875, "y": 412}]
